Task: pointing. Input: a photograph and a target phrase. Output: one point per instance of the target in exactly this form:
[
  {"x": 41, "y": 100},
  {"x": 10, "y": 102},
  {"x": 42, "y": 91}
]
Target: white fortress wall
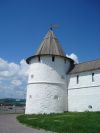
[
  {"x": 47, "y": 88},
  {"x": 84, "y": 96}
]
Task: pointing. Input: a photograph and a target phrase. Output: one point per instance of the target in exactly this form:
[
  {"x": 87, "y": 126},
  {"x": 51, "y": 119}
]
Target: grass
[{"x": 86, "y": 122}]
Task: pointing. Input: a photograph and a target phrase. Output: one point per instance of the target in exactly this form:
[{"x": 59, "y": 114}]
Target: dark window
[
  {"x": 53, "y": 58},
  {"x": 62, "y": 77},
  {"x": 65, "y": 61},
  {"x": 30, "y": 96},
  {"x": 77, "y": 79},
  {"x": 32, "y": 76},
  {"x": 90, "y": 106},
  {"x": 39, "y": 58},
  {"x": 92, "y": 77},
  {"x": 56, "y": 97}
]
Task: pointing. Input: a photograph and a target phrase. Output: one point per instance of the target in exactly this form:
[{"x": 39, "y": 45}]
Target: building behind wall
[
  {"x": 84, "y": 87},
  {"x": 56, "y": 84}
]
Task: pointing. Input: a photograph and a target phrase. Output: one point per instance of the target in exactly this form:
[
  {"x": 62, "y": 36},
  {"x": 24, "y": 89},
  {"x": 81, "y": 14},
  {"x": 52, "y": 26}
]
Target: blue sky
[{"x": 24, "y": 23}]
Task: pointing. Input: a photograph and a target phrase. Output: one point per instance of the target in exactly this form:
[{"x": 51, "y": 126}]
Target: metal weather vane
[{"x": 54, "y": 26}]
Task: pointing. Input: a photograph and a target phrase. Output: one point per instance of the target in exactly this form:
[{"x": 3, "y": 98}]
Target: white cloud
[
  {"x": 13, "y": 78},
  {"x": 3, "y": 65},
  {"x": 73, "y": 57}
]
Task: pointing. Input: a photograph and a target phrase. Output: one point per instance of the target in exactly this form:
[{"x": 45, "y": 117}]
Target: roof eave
[
  {"x": 31, "y": 57},
  {"x": 84, "y": 71}
]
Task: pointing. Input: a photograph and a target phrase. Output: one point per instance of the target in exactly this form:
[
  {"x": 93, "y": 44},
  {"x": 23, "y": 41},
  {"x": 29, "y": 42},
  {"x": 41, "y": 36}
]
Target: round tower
[{"x": 47, "y": 82}]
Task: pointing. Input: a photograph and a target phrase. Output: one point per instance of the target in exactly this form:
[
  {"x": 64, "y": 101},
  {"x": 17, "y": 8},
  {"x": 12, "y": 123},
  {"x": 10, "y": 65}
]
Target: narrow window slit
[
  {"x": 39, "y": 58},
  {"x": 92, "y": 77},
  {"x": 53, "y": 58},
  {"x": 65, "y": 61},
  {"x": 77, "y": 79}
]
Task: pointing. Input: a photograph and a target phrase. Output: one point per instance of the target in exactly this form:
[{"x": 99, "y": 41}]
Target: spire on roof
[{"x": 50, "y": 45}]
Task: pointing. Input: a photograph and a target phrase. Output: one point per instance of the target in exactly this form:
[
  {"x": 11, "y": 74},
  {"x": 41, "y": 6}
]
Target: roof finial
[{"x": 53, "y": 26}]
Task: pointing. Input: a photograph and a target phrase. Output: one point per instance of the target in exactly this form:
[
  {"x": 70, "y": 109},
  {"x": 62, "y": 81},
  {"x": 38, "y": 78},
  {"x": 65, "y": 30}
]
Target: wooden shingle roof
[
  {"x": 86, "y": 66},
  {"x": 50, "y": 45}
]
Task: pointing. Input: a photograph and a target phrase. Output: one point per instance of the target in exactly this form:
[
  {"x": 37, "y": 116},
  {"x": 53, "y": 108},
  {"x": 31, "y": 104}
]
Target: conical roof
[{"x": 50, "y": 45}]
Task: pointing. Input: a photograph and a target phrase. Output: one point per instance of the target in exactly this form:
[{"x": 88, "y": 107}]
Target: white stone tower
[{"x": 47, "y": 82}]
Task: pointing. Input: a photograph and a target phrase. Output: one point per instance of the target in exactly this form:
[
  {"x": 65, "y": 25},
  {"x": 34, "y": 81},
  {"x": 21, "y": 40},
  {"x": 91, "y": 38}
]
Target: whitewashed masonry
[{"x": 56, "y": 84}]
